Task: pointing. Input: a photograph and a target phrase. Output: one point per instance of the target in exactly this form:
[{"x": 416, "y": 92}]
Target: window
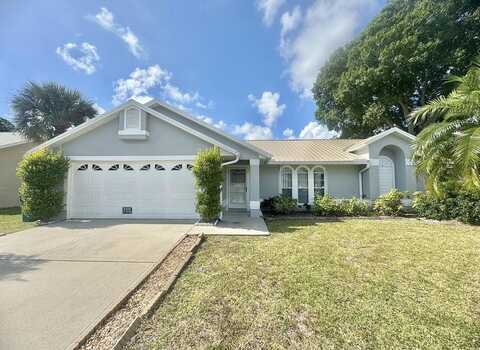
[
  {"x": 114, "y": 167},
  {"x": 286, "y": 182},
  {"x": 96, "y": 167},
  {"x": 159, "y": 167},
  {"x": 302, "y": 178},
  {"x": 318, "y": 182},
  {"x": 132, "y": 119},
  {"x": 145, "y": 167},
  {"x": 127, "y": 167},
  {"x": 177, "y": 167},
  {"x": 83, "y": 167}
]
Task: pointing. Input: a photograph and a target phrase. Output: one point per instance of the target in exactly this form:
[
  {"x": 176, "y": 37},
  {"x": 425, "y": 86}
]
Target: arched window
[
  {"x": 286, "y": 181},
  {"x": 302, "y": 179},
  {"x": 318, "y": 182}
]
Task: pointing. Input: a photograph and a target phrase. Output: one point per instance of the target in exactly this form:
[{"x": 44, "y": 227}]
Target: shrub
[
  {"x": 208, "y": 179},
  {"x": 267, "y": 204},
  {"x": 354, "y": 207},
  {"x": 453, "y": 204},
  {"x": 390, "y": 203},
  {"x": 42, "y": 174},
  {"x": 326, "y": 206},
  {"x": 284, "y": 204}
]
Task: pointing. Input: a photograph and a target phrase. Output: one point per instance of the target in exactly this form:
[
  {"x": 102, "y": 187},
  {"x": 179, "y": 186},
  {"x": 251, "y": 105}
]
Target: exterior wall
[
  {"x": 341, "y": 180},
  {"x": 245, "y": 153},
  {"x": 400, "y": 151},
  {"x": 164, "y": 140},
  {"x": 9, "y": 182}
]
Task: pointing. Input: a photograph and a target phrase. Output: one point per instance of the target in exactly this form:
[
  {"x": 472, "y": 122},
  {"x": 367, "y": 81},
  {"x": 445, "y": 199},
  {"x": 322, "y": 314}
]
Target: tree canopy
[
  {"x": 43, "y": 111},
  {"x": 6, "y": 125},
  {"x": 398, "y": 63}
]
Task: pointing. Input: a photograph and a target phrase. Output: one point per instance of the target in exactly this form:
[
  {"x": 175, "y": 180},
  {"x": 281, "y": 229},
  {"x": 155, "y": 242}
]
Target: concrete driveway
[{"x": 57, "y": 281}]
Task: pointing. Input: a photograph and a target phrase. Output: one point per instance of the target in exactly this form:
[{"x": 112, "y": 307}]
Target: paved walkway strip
[{"x": 121, "y": 323}]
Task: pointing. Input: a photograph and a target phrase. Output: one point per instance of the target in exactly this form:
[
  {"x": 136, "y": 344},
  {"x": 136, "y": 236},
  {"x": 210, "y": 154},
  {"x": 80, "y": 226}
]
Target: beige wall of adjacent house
[{"x": 9, "y": 182}]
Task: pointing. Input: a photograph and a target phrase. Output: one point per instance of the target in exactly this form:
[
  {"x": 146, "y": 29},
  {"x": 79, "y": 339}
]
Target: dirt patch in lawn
[{"x": 107, "y": 335}]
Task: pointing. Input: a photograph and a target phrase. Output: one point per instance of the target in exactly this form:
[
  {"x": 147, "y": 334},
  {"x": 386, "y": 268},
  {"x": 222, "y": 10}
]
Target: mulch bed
[{"x": 106, "y": 336}]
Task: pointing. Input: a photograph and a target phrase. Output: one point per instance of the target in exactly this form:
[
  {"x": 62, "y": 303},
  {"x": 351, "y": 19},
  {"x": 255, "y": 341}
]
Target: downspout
[
  {"x": 360, "y": 180},
  {"x": 237, "y": 158}
]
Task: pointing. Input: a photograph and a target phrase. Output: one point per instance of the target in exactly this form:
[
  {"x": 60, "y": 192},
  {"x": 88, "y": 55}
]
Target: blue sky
[{"x": 245, "y": 66}]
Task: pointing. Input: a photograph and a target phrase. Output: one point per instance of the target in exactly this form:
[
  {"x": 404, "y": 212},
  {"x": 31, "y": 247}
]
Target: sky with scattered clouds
[{"x": 245, "y": 66}]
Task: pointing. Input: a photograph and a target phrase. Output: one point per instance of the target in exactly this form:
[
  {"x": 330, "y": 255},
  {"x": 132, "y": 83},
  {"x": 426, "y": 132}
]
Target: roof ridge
[{"x": 283, "y": 140}]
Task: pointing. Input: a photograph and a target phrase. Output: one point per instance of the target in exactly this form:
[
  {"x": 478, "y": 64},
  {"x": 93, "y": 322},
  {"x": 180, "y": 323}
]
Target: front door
[{"x": 238, "y": 188}]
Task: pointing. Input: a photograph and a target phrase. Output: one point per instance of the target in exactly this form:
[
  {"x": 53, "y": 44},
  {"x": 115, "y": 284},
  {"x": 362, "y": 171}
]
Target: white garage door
[{"x": 148, "y": 189}]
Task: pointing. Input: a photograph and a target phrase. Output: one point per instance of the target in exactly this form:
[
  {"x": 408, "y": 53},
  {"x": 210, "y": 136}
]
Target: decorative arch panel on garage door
[{"x": 131, "y": 189}]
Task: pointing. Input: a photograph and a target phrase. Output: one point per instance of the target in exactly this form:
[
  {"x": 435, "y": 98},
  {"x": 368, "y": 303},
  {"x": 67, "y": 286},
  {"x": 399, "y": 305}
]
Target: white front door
[
  {"x": 238, "y": 188},
  {"x": 387, "y": 175}
]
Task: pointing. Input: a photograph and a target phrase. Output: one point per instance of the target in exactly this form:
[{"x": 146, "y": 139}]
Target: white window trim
[
  {"x": 280, "y": 182},
  {"x": 325, "y": 179},
  {"x": 125, "y": 118},
  {"x": 309, "y": 182}
]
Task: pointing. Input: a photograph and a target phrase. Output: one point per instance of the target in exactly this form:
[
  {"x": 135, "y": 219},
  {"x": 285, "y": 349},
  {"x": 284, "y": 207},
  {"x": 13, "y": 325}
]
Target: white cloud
[
  {"x": 288, "y": 133},
  {"x": 80, "y": 57},
  {"x": 289, "y": 21},
  {"x": 326, "y": 26},
  {"x": 205, "y": 119},
  {"x": 268, "y": 106},
  {"x": 174, "y": 93},
  {"x": 220, "y": 125},
  {"x": 250, "y": 131},
  {"x": 314, "y": 130},
  {"x": 139, "y": 82},
  {"x": 269, "y": 8},
  {"x": 106, "y": 20},
  {"x": 100, "y": 110}
]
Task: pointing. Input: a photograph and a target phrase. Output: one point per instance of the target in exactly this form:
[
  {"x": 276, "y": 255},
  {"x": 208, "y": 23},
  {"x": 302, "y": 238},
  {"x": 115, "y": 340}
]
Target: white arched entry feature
[{"x": 386, "y": 175}]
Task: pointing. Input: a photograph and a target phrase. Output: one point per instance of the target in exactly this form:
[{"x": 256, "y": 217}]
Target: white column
[
  {"x": 311, "y": 192},
  {"x": 294, "y": 183}
]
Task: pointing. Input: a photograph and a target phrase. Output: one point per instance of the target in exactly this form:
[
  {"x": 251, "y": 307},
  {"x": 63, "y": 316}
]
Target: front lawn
[
  {"x": 11, "y": 221},
  {"x": 357, "y": 284}
]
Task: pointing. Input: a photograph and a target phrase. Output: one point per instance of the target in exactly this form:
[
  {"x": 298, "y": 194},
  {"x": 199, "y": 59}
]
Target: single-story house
[
  {"x": 13, "y": 147},
  {"x": 136, "y": 162}
]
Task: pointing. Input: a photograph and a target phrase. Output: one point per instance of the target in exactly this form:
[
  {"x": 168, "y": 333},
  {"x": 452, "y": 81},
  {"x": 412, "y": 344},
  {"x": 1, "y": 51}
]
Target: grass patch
[
  {"x": 11, "y": 220},
  {"x": 356, "y": 284}
]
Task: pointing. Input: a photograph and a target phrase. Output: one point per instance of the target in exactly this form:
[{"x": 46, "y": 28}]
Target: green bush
[
  {"x": 461, "y": 204},
  {"x": 208, "y": 180},
  {"x": 284, "y": 204},
  {"x": 354, "y": 207},
  {"x": 390, "y": 203},
  {"x": 326, "y": 206},
  {"x": 42, "y": 174}
]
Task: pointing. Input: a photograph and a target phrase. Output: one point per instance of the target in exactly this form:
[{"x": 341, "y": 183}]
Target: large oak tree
[{"x": 398, "y": 63}]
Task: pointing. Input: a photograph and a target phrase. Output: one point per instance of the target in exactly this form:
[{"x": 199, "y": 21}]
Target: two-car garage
[{"x": 131, "y": 189}]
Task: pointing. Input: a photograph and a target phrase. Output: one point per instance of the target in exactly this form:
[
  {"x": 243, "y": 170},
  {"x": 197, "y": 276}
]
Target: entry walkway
[{"x": 236, "y": 223}]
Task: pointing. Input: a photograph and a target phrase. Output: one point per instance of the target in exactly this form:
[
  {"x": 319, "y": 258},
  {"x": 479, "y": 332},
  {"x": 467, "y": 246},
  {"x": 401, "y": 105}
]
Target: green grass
[
  {"x": 11, "y": 221},
  {"x": 357, "y": 284}
]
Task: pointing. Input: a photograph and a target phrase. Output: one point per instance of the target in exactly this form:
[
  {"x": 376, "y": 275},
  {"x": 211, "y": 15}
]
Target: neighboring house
[
  {"x": 136, "y": 161},
  {"x": 12, "y": 149}
]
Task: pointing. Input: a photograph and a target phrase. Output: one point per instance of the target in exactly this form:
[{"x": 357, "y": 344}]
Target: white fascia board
[
  {"x": 13, "y": 144},
  {"x": 82, "y": 128},
  {"x": 332, "y": 162},
  {"x": 380, "y": 136},
  {"x": 210, "y": 127}
]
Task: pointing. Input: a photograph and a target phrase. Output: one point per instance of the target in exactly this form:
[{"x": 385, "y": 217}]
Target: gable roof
[
  {"x": 106, "y": 117},
  {"x": 371, "y": 139},
  {"x": 311, "y": 151},
  {"x": 206, "y": 125},
  {"x": 11, "y": 139}
]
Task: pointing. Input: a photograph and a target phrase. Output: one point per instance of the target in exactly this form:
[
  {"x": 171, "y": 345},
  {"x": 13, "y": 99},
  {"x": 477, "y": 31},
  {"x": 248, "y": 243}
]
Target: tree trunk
[{"x": 406, "y": 110}]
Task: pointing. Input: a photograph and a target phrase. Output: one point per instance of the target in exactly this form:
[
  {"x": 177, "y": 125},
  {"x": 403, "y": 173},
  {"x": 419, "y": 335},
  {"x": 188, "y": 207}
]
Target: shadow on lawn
[
  {"x": 12, "y": 266},
  {"x": 291, "y": 225}
]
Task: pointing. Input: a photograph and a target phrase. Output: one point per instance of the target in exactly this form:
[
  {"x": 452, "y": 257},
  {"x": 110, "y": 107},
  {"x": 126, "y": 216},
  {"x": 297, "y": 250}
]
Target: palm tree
[
  {"x": 449, "y": 149},
  {"x": 43, "y": 111}
]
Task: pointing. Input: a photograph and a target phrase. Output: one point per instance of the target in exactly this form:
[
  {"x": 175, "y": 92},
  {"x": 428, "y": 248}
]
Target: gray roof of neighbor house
[
  {"x": 318, "y": 150},
  {"x": 10, "y": 139}
]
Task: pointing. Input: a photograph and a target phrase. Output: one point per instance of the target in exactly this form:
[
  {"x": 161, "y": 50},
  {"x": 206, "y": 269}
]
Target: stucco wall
[
  {"x": 9, "y": 182},
  {"x": 164, "y": 140}
]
